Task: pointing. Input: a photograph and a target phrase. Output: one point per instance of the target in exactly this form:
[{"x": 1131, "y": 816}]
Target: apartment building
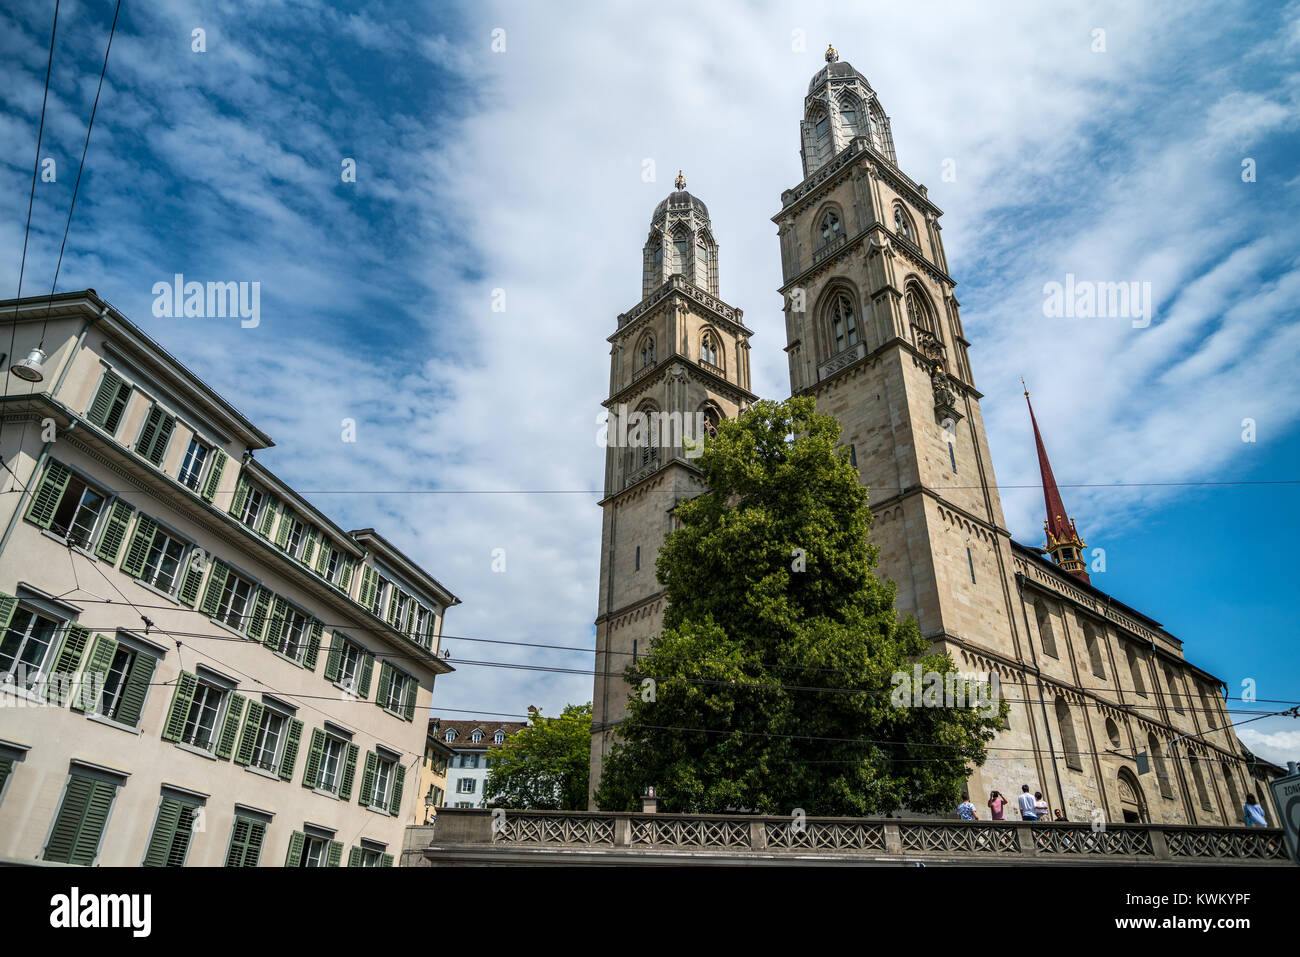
[
  {"x": 197, "y": 666},
  {"x": 471, "y": 744},
  {"x": 433, "y": 776}
]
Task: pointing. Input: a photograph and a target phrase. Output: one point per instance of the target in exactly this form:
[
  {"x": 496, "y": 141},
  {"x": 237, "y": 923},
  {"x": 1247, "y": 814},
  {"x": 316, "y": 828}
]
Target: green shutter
[
  {"x": 278, "y": 611},
  {"x": 291, "y": 750},
  {"x": 385, "y": 860},
  {"x": 8, "y": 605},
  {"x": 105, "y": 395},
  {"x": 323, "y": 557},
  {"x": 164, "y": 833},
  {"x": 230, "y": 729},
  {"x": 256, "y": 835},
  {"x": 394, "y": 602},
  {"x": 92, "y": 679},
  {"x": 408, "y": 706},
  {"x": 136, "y": 688},
  {"x": 214, "y": 476},
  {"x": 189, "y": 590},
  {"x": 241, "y": 495},
  {"x": 6, "y": 766},
  {"x": 294, "y": 857},
  {"x": 367, "y": 668},
  {"x": 257, "y": 621},
  {"x": 399, "y": 782},
  {"x": 186, "y": 685},
  {"x": 308, "y": 546},
  {"x": 69, "y": 657},
  {"x": 79, "y": 824},
  {"x": 354, "y": 856},
  {"x": 48, "y": 494},
  {"x": 335, "y": 854},
  {"x": 157, "y": 432},
  {"x": 334, "y": 658},
  {"x": 164, "y": 436},
  {"x": 368, "y": 778},
  {"x": 349, "y": 773},
  {"x": 385, "y": 684},
  {"x": 245, "y": 842},
  {"x": 249, "y": 738},
  {"x": 312, "y": 774},
  {"x": 216, "y": 584},
  {"x": 141, "y": 541},
  {"x": 286, "y": 526},
  {"x": 313, "y": 646},
  {"x": 268, "y": 517},
  {"x": 345, "y": 576},
  {"x": 114, "y": 533}
]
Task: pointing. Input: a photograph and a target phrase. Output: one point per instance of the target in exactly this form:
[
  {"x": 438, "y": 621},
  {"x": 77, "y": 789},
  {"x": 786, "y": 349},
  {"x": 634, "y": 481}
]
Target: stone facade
[{"x": 874, "y": 333}]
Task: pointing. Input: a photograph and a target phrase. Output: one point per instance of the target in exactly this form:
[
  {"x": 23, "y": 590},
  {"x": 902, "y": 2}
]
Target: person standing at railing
[
  {"x": 1028, "y": 810},
  {"x": 1254, "y": 813},
  {"x": 997, "y": 806},
  {"x": 1040, "y": 807},
  {"x": 966, "y": 810}
]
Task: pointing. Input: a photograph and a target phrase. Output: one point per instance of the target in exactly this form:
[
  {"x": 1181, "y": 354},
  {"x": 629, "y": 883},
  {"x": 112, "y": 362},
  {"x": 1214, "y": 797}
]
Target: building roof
[
  {"x": 681, "y": 200},
  {"x": 838, "y": 70},
  {"x": 465, "y": 729}
]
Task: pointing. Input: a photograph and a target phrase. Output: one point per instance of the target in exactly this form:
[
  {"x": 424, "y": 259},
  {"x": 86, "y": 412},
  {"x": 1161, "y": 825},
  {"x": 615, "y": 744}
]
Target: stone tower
[
  {"x": 874, "y": 334},
  {"x": 679, "y": 363}
]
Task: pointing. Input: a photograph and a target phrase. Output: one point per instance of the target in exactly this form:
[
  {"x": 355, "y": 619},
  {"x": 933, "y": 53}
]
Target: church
[{"x": 1109, "y": 719}]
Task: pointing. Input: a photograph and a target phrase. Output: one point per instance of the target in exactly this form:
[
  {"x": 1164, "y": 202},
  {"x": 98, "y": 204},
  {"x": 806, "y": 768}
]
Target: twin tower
[{"x": 873, "y": 333}]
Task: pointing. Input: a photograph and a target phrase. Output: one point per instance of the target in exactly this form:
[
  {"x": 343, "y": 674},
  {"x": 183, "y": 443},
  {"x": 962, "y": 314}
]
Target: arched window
[
  {"x": 903, "y": 224},
  {"x": 920, "y": 315},
  {"x": 843, "y": 322},
  {"x": 1094, "y": 650},
  {"x": 1233, "y": 793},
  {"x": 702, "y": 252},
  {"x": 1199, "y": 778},
  {"x": 830, "y": 228},
  {"x": 658, "y": 254},
  {"x": 1045, "y": 633},
  {"x": 1069, "y": 743},
  {"x": 1112, "y": 732},
  {"x": 1175, "y": 700},
  {"x": 712, "y": 419},
  {"x": 1157, "y": 755},
  {"x": 647, "y": 351},
  {"x": 681, "y": 245},
  {"x": 1135, "y": 670},
  {"x": 849, "y": 115},
  {"x": 709, "y": 349},
  {"x": 821, "y": 125}
]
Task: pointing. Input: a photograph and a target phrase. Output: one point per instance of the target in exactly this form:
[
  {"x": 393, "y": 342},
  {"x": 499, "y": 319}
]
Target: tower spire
[{"x": 1063, "y": 541}]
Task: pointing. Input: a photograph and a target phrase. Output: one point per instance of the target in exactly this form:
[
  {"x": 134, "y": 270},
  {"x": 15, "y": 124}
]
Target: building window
[
  {"x": 109, "y": 403},
  {"x": 254, "y": 502},
  {"x": 1201, "y": 791},
  {"x": 294, "y": 541},
  {"x": 1158, "y": 760},
  {"x": 201, "y": 720},
  {"x": 952, "y": 457},
  {"x": 315, "y": 851},
  {"x": 295, "y": 633},
  {"x": 331, "y": 762},
  {"x": 26, "y": 646},
  {"x": 382, "y": 776},
  {"x": 396, "y": 691},
  {"x": 647, "y": 352},
  {"x": 681, "y": 243},
  {"x": 903, "y": 225},
  {"x": 499, "y": 737},
  {"x": 332, "y": 564},
  {"x": 232, "y": 606},
  {"x": 970, "y": 560},
  {"x": 830, "y": 227},
  {"x": 169, "y": 844},
  {"x": 162, "y": 562},
  {"x": 477, "y": 736},
  {"x": 115, "y": 681},
  {"x": 246, "y": 837},
  {"x": 1069, "y": 743},
  {"x": 1045, "y": 634},
  {"x": 191, "y": 473},
  {"x": 155, "y": 435},
  {"x": 1094, "y": 650},
  {"x": 350, "y": 658},
  {"x": 78, "y": 512},
  {"x": 849, "y": 115},
  {"x": 638, "y": 558},
  {"x": 1175, "y": 700},
  {"x": 450, "y": 735},
  {"x": 466, "y": 786},
  {"x": 709, "y": 349},
  {"x": 844, "y": 322},
  {"x": 80, "y": 822},
  {"x": 1135, "y": 670},
  {"x": 269, "y": 741}
]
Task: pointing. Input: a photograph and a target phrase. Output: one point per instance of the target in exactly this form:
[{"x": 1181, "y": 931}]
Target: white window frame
[
  {"x": 208, "y": 455},
  {"x": 35, "y": 673}
]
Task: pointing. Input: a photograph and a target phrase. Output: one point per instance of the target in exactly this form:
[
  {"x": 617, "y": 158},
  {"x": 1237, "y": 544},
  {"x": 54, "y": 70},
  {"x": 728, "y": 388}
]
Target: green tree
[
  {"x": 769, "y": 687},
  {"x": 545, "y": 766}
]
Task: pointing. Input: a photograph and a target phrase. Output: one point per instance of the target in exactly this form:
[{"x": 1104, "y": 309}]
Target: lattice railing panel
[
  {"x": 839, "y": 837},
  {"x": 1227, "y": 842},
  {"x": 986, "y": 838},
  {"x": 702, "y": 833},
  {"x": 1057, "y": 839},
  {"x": 554, "y": 830}
]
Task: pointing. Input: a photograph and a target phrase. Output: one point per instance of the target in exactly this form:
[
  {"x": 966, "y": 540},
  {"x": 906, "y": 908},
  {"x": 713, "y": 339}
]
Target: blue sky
[{"x": 521, "y": 169}]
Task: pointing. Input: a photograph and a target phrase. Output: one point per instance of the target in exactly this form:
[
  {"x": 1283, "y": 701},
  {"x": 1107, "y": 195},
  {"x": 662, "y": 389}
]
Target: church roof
[{"x": 837, "y": 70}]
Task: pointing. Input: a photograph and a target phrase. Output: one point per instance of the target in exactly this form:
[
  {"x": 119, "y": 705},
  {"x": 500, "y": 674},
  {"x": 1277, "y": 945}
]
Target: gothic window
[
  {"x": 712, "y": 418},
  {"x": 1231, "y": 782},
  {"x": 830, "y": 227},
  {"x": 822, "y": 126},
  {"x": 849, "y": 115},
  {"x": 843, "y": 323},
  {"x": 1158, "y": 761},
  {"x": 903, "y": 224},
  {"x": 647, "y": 352},
  {"x": 1069, "y": 743},
  {"x": 681, "y": 245},
  {"x": 658, "y": 254},
  {"x": 702, "y": 253},
  {"x": 919, "y": 314},
  {"x": 1199, "y": 778},
  {"x": 709, "y": 349},
  {"x": 1135, "y": 669},
  {"x": 1174, "y": 700},
  {"x": 1094, "y": 650}
]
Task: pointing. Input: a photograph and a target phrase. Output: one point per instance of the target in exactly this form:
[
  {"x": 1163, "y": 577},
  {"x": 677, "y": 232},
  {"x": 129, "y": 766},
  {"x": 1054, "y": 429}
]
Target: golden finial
[
  {"x": 680, "y": 181},
  {"x": 1026, "y": 388},
  {"x": 832, "y": 54}
]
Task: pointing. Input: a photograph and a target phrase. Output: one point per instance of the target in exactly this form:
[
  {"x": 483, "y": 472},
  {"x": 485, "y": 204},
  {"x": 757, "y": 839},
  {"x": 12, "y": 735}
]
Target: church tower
[
  {"x": 679, "y": 364},
  {"x": 874, "y": 334}
]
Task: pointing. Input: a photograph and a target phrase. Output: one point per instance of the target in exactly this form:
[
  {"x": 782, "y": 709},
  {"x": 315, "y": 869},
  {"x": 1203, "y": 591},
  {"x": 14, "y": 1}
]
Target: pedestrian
[
  {"x": 1254, "y": 813},
  {"x": 997, "y": 806},
  {"x": 1060, "y": 816},
  {"x": 966, "y": 810},
  {"x": 1028, "y": 810},
  {"x": 1040, "y": 807}
]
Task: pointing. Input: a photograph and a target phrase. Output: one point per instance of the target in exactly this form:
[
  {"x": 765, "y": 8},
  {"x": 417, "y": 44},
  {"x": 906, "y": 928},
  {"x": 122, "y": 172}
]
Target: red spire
[{"x": 1063, "y": 539}]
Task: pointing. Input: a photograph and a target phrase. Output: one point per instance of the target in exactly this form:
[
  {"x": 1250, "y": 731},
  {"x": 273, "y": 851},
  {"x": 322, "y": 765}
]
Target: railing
[{"x": 483, "y": 834}]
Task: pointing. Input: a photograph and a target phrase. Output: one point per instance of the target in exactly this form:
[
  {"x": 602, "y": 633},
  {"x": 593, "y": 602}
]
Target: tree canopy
[
  {"x": 769, "y": 688},
  {"x": 545, "y": 766}
]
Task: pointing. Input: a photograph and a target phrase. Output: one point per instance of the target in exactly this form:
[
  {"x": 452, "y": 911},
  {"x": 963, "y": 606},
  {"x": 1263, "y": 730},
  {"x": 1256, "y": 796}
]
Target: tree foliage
[
  {"x": 545, "y": 766},
  {"x": 769, "y": 686}
]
